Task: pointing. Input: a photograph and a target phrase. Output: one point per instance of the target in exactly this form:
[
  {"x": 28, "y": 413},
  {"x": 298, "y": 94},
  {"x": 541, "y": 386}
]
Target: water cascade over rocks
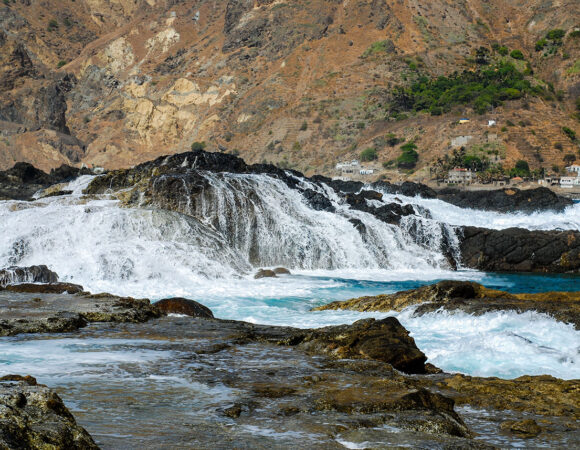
[{"x": 270, "y": 217}]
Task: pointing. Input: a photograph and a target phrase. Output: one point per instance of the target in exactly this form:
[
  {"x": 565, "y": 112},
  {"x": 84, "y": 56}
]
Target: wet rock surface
[
  {"x": 519, "y": 250},
  {"x": 34, "y": 416},
  {"x": 41, "y": 309},
  {"x": 32, "y": 274},
  {"x": 214, "y": 383},
  {"x": 469, "y": 297},
  {"x": 210, "y": 382},
  {"x": 507, "y": 200}
]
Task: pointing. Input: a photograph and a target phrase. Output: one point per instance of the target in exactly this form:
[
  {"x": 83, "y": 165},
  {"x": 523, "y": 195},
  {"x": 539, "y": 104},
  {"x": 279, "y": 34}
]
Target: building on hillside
[
  {"x": 460, "y": 175},
  {"x": 569, "y": 182},
  {"x": 464, "y": 120},
  {"x": 491, "y": 123},
  {"x": 348, "y": 167},
  {"x": 366, "y": 171},
  {"x": 574, "y": 168}
]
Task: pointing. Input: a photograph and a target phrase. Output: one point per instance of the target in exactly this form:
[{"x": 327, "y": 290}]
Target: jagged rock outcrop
[
  {"x": 519, "y": 250},
  {"x": 23, "y": 180},
  {"x": 507, "y": 200},
  {"x": 32, "y": 416},
  {"x": 383, "y": 340},
  {"x": 32, "y": 274},
  {"x": 469, "y": 297}
]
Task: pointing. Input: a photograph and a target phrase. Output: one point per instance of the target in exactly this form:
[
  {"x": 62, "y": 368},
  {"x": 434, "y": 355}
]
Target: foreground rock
[
  {"x": 44, "y": 309},
  {"x": 24, "y": 180},
  {"x": 469, "y": 297},
  {"x": 34, "y": 417},
  {"x": 519, "y": 250},
  {"x": 32, "y": 274},
  {"x": 383, "y": 340}
]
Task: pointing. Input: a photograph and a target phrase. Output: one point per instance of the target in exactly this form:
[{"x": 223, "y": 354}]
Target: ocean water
[{"x": 211, "y": 253}]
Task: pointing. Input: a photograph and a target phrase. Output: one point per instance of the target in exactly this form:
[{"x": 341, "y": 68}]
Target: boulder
[
  {"x": 265, "y": 273},
  {"x": 281, "y": 271},
  {"x": 33, "y": 417},
  {"x": 32, "y": 274},
  {"x": 180, "y": 305},
  {"x": 383, "y": 340}
]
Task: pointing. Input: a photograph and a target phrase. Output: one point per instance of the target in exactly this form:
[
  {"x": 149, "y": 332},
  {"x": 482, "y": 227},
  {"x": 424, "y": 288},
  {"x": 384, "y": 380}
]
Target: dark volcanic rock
[
  {"x": 382, "y": 340},
  {"x": 507, "y": 200},
  {"x": 407, "y": 188},
  {"x": 519, "y": 250},
  {"x": 180, "y": 305},
  {"x": 23, "y": 180},
  {"x": 32, "y": 274},
  {"x": 318, "y": 201},
  {"x": 33, "y": 417}
]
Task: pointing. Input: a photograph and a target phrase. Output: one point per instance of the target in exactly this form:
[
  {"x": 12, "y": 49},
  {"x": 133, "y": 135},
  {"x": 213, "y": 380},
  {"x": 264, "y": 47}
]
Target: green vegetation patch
[
  {"x": 483, "y": 88},
  {"x": 408, "y": 157}
]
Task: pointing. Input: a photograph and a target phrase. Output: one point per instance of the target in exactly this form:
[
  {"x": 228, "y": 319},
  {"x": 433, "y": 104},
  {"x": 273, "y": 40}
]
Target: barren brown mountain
[{"x": 302, "y": 84}]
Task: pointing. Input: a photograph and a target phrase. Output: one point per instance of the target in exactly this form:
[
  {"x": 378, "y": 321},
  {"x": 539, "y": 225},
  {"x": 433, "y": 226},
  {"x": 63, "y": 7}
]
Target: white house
[
  {"x": 569, "y": 182},
  {"x": 460, "y": 175},
  {"x": 366, "y": 171},
  {"x": 574, "y": 168},
  {"x": 491, "y": 123}
]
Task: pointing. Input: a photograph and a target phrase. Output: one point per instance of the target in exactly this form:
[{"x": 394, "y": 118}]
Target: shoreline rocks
[
  {"x": 520, "y": 250},
  {"x": 33, "y": 416},
  {"x": 38, "y": 308},
  {"x": 469, "y": 297}
]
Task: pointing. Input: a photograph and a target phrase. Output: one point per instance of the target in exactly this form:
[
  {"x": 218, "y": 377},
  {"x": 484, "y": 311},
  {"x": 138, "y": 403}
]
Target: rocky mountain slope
[{"x": 302, "y": 84}]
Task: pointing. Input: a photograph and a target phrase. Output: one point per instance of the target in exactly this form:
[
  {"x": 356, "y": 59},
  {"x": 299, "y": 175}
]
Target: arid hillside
[{"x": 303, "y": 84}]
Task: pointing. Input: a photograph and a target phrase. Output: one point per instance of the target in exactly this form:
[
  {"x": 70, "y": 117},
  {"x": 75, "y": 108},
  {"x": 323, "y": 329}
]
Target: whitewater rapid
[{"x": 210, "y": 256}]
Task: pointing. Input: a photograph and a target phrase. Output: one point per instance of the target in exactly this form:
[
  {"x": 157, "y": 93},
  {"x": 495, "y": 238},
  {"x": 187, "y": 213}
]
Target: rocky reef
[
  {"x": 469, "y": 297},
  {"x": 32, "y": 416}
]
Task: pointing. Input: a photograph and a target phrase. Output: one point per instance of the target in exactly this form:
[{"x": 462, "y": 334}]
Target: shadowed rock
[
  {"x": 34, "y": 417},
  {"x": 180, "y": 305},
  {"x": 265, "y": 273}
]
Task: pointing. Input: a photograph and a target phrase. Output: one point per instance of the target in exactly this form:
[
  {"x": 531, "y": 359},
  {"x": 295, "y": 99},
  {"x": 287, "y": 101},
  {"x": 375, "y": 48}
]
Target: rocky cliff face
[{"x": 300, "y": 83}]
